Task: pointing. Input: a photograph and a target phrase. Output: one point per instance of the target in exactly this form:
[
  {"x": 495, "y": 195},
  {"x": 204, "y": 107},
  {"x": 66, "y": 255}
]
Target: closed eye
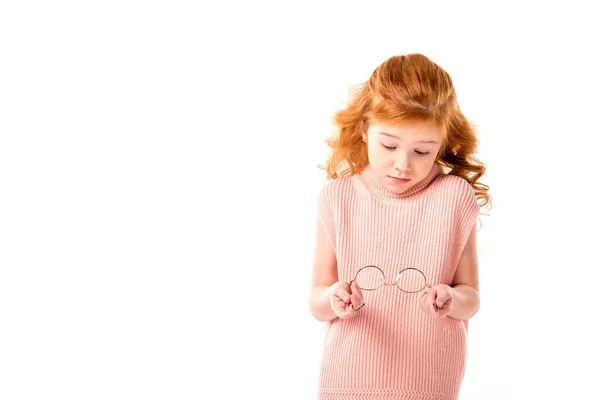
[{"x": 421, "y": 153}]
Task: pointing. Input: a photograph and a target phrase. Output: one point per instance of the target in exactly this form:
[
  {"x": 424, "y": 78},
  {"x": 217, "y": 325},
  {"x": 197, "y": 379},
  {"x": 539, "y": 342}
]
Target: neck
[{"x": 379, "y": 190}]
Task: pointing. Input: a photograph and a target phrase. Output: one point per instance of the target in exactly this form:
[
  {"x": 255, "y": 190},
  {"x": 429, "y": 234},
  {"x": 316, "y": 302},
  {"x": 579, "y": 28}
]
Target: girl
[{"x": 395, "y": 272}]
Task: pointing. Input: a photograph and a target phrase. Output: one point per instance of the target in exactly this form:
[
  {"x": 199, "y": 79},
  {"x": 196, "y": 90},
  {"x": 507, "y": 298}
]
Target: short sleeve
[
  {"x": 467, "y": 212},
  {"x": 325, "y": 212}
]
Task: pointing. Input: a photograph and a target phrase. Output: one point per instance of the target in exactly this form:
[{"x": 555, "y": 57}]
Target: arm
[
  {"x": 323, "y": 277},
  {"x": 465, "y": 285}
]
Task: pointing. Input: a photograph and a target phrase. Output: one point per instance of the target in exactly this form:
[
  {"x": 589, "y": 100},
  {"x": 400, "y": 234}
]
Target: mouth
[{"x": 398, "y": 180}]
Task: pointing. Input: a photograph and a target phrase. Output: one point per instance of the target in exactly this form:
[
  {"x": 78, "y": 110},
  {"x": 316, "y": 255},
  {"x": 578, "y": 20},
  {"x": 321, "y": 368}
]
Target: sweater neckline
[{"x": 379, "y": 191}]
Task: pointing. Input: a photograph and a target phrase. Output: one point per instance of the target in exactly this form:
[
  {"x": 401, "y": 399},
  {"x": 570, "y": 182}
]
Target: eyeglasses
[{"x": 409, "y": 280}]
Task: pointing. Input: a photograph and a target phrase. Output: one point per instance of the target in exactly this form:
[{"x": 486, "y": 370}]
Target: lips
[{"x": 398, "y": 181}]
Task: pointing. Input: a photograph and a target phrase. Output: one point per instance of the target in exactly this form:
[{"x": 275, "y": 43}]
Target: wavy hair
[{"x": 407, "y": 88}]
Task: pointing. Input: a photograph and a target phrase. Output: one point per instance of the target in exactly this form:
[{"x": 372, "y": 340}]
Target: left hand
[{"x": 442, "y": 295}]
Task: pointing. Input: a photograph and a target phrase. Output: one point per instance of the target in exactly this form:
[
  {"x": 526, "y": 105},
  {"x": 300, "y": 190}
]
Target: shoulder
[
  {"x": 457, "y": 194},
  {"x": 337, "y": 188},
  {"x": 455, "y": 186}
]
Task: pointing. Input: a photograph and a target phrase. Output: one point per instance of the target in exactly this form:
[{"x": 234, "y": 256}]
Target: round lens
[
  {"x": 369, "y": 278},
  {"x": 410, "y": 280}
]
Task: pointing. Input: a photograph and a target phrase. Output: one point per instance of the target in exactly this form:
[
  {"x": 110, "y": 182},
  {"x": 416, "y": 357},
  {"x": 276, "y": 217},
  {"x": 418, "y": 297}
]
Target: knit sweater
[{"x": 391, "y": 349}]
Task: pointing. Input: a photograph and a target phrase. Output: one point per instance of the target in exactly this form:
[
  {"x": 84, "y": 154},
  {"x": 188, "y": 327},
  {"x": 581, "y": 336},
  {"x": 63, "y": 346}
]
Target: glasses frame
[{"x": 384, "y": 283}]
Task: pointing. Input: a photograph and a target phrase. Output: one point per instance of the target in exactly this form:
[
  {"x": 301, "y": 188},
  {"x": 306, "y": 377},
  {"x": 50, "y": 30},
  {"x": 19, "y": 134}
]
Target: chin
[{"x": 399, "y": 190}]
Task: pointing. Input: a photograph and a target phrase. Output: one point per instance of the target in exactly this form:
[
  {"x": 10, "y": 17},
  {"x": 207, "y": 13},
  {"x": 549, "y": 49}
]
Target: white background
[{"x": 158, "y": 178}]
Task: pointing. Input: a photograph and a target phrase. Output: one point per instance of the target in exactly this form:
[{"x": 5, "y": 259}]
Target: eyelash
[{"x": 392, "y": 148}]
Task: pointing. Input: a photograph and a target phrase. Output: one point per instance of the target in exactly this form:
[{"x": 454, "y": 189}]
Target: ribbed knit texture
[{"x": 391, "y": 349}]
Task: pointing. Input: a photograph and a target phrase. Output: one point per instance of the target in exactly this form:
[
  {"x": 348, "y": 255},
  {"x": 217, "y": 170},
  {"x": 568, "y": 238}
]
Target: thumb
[{"x": 442, "y": 297}]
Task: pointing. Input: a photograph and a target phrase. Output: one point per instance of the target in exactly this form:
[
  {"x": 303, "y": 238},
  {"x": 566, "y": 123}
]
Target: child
[{"x": 395, "y": 272}]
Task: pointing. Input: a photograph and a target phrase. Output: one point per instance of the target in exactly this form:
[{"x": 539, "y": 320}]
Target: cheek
[
  {"x": 381, "y": 156},
  {"x": 375, "y": 151}
]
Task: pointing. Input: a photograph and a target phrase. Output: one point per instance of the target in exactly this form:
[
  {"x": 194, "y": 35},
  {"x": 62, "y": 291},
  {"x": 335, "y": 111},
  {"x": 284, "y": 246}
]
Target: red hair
[{"x": 407, "y": 88}]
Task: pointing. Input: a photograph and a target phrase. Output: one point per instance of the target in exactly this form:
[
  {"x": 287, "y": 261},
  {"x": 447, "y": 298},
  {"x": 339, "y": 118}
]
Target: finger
[
  {"x": 358, "y": 307},
  {"x": 348, "y": 287},
  {"x": 356, "y": 297},
  {"x": 355, "y": 289},
  {"x": 423, "y": 303},
  {"x": 343, "y": 295},
  {"x": 440, "y": 303},
  {"x": 431, "y": 299},
  {"x": 436, "y": 293},
  {"x": 432, "y": 308},
  {"x": 447, "y": 305},
  {"x": 433, "y": 292},
  {"x": 442, "y": 312},
  {"x": 348, "y": 311},
  {"x": 442, "y": 298},
  {"x": 343, "y": 310},
  {"x": 340, "y": 295},
  {"x": 338, "y": 305}
]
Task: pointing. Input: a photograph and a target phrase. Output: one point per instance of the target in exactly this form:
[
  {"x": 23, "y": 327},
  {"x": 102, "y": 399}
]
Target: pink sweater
[{"x": 391, "y": 349}]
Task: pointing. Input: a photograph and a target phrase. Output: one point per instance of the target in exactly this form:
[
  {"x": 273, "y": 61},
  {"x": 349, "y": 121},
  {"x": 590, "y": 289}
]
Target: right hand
[{"x": 344, "y": 297}]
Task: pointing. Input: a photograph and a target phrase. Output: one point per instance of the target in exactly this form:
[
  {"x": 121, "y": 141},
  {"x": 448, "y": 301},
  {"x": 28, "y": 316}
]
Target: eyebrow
[{"x": 399, "y": 138}]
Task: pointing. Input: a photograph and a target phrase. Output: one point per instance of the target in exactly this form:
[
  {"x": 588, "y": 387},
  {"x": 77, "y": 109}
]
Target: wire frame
[{"x": 408, "y": 280}]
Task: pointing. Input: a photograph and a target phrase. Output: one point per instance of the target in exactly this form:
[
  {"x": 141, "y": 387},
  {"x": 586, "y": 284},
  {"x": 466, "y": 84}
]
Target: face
[{"x": 402, "y": 151}]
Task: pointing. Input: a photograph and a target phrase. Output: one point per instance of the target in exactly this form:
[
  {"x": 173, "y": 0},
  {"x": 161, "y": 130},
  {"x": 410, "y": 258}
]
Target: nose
[{"x": 401, "y": 163}]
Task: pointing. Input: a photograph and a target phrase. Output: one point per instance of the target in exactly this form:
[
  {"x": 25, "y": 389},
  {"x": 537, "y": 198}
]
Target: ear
[{"x": 363, "y": 131}]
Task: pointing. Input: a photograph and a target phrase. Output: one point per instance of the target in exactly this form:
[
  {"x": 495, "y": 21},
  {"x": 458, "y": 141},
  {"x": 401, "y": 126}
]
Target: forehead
[{"x": 416, "y": 131}]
